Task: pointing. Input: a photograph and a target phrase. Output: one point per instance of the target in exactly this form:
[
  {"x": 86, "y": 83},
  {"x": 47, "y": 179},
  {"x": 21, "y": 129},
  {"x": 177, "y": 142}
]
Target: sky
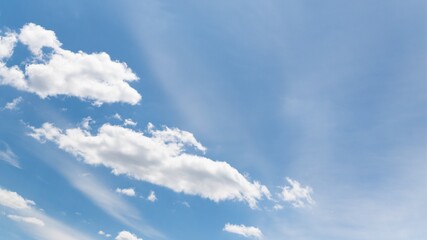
[{"x": 153, "y": 119}]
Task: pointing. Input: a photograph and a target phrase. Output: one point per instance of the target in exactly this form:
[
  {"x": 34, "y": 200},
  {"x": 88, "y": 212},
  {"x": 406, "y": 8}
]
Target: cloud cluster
[
  {"x": 243, "y": 230},
  {"x": 296, "y": 194},
  {"x": 93, "y": 77},
  {"x": 160, "y": 157}
]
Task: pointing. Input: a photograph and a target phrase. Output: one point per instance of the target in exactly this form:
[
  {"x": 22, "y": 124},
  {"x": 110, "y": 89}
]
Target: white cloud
[
  {"x": 117, "y": 116},
  {"x": 125, "y": 235},
  {"x": 13, "y": 105},
  {"x": 159, "y": 158},
  {"x": 126, "y": 191},
  {"x": 92, "y": 77},
  {"x": 38, "y": 225},
  {"x": 129, "y": 122},
  {"x": 296, "y": 194},
  {"x": 86, "y": 123},
  {"x": 152, "y": 197},
  {"x": 7, "y": 155},
  {"x": 13, "y": 200},
  {"x": 243, "y": 230},
  {"x": 102, "y": 233},
  {"x": 30, "y": 220},
  {"x": 7, "y": 44}
]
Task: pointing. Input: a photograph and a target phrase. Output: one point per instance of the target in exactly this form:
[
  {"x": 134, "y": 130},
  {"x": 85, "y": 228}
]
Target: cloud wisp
[
  {"x": 156, "y": 157},
  {"x": 296, "y": 194},
  {"x": 94, "y": 77},
  {"x": 245, "y": 231},
  {"x": 34, "y": 222},
  {"x": 7, "y": 155}
]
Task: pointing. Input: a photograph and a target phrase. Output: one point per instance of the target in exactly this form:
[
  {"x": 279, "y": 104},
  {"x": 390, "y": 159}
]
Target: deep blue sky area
[{"x": 208, "y": 120}]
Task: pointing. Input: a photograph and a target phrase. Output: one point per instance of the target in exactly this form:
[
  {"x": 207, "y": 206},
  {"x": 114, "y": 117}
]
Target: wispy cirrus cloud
[
  {"x": 34, "y": 222},
  {"x": 7, "y": 155}
]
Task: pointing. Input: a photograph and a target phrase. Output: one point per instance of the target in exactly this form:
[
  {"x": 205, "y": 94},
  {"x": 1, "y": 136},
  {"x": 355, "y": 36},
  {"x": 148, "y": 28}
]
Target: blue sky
[{"x": 245, "y": 119}]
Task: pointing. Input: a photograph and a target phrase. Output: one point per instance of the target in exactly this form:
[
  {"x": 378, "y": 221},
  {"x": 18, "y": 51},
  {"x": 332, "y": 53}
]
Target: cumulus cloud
[
  {"x": 13, "y": 200},
  {"x": 296, "y": 194},
  {"x": 152, "y": 197},
  {"x": 243, "y": 230},
  {"x": 125, "y": 235},
  {"x": 93, "y": 77},
  {"x": 126, "y": 191},
  {"x": 7, "y": 155},
  {"x": 7, "y": 44},
  {"x": 159, "y": 158},
  {"x": 29, "y": 220},
  {"x": 13, "y": 104}
]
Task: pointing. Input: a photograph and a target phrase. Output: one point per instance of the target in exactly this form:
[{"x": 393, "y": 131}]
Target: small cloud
[
  {"x": 13, "y": 105},
  {"x": 152, "y": 197},
  {"x": 102, "y": 233},
  {"x": 186, "y": 204},
  {"x": 298, "y": 195},
  {"x": 243, "y": 230},
  {"x": 129, "y": 122},
  {"x": 117, "y": 116},
  {"x": 29, "y": 220},
  {"x": 86, "y": 123},
  {"x": 126, "y": 191},
  {"x": 7, "y": 155},
  {"x": 125, "y": 235}
]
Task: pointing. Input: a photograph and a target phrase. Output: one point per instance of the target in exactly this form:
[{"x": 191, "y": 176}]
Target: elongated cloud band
[{"x": 159, "y": 158}]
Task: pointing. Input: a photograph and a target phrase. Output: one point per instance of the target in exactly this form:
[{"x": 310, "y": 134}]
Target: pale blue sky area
[{"x": 332, "y": 94}]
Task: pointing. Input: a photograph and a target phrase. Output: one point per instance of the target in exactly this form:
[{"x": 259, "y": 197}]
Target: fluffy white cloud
[
  {"x": 7, "y": 44},
  {"x": 125, "y": 235},
  {"x": 296, "y": 194},
  {"x": 243, "y": 230},
  {"x": 13, "y": 104},
  {"x": 126, "y": 191},
  {"x": 152, "y": 197},
  {"x": 7, "y": 155},
  {"x": 36, "y": 37},
  {"x": 13, "y": 200},
  {"x": 159, "y": 158},
  {"x": 92, "y": 77},
  {"x": 29, "y": 220}
]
